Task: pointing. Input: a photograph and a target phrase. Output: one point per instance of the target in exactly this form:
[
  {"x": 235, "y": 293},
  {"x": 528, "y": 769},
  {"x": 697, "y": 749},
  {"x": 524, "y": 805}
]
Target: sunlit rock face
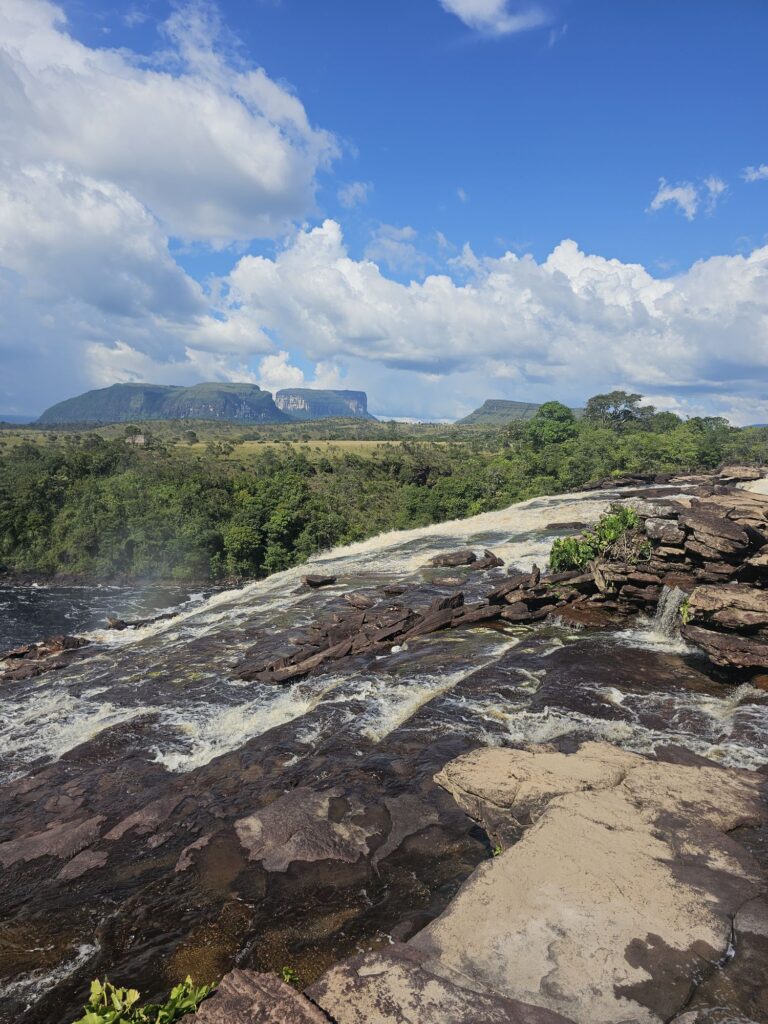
[
  {"x": 315, "y": 404},
  {"x": 629, "y": 893}
]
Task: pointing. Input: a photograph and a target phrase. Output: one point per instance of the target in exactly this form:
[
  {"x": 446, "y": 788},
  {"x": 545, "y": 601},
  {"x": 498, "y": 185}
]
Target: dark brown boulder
[
  {"x": 400, "y": 623},
  {"x": 727, "y": 649},
  {"x": 641, "y": 595},
  {"x": 705, "y": 552},
  {"x": 279, "y": 672},
  {"x": 488, "y": 561},
  {"x": 452, "y": 559},
  {"x": 431, "y": 622},
  {"x": 706, "y": 601},
  {"x": 517, "y": 612},
  {"x": 453, "y": 601},
  {"x": 318, "y": 581},
  {"x": 716, "y": 532},
  {"x": 562, "y": 577},
  {"x": 587, "y": 614},
  {"x": 481, "y": 613},
  {"x": 512, "y": 583}
]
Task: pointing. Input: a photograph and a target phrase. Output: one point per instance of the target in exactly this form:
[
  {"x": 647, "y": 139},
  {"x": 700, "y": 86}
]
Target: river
[{"x": 154, "y": 753}]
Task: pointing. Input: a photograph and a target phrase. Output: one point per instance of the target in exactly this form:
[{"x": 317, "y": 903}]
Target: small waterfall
[{"x": 666, "y": 621}]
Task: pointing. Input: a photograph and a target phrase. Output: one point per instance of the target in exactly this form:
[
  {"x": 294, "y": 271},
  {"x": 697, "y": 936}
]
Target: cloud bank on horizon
[{"x": 117, "y": 166}]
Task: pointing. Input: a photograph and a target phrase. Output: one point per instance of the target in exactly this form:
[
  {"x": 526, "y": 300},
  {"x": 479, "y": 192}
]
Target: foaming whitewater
[
  {"x": 731, "y": 730},
  {"x": 171, "y": 681},
  {"x": 666, "y": 621},
  {"x": 662, "y": 632}
]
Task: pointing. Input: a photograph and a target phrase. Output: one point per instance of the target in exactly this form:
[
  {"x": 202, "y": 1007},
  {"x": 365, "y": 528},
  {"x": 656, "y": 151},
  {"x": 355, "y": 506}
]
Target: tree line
[{"x": 105, "y": 508}]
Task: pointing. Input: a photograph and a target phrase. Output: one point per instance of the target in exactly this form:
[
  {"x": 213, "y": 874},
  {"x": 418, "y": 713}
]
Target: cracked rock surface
[{"x": 631, "y": 897}]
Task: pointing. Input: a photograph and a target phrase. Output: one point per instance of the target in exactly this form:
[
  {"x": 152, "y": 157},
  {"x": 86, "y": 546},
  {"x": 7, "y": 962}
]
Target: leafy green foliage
[
  {"x": 225, "y": 506},
  {"x": 553, "y": 424},
  {"x": 111, "y": 1005},
  {"x": 617, "y": 409},
  {"x": 290, "y": 976},
  {"x": 577, "y": 552}
]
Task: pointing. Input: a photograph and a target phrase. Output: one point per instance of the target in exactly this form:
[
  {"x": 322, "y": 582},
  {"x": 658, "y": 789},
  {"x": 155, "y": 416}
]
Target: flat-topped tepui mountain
[
  {"x": 495, "y": 412},
  {"x": 316, "y": 404},
  {"x": 245, "y": 403},
  {"x": 123, "y": 402}
]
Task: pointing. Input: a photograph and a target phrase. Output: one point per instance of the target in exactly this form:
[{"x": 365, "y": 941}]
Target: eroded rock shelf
[{"x": 444, "y": 787}]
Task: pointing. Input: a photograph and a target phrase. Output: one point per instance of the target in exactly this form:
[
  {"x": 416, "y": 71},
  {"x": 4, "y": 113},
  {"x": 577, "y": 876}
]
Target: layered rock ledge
[{"x": 632, "y": 896}]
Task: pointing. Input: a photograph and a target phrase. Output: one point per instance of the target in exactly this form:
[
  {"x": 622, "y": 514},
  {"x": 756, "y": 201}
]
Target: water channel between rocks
[{"x": 177, "y": 808}]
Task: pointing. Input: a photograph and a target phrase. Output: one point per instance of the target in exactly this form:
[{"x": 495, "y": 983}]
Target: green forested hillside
[{"x": 94, "y": 505}]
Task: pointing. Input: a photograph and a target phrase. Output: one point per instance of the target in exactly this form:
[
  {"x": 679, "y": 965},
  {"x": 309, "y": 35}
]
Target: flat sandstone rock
[{"x": 616, "y": 905}]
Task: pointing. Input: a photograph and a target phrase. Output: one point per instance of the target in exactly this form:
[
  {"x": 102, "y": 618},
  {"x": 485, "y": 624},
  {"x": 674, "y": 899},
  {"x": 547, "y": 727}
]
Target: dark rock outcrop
[
  {"x": 248, "y": 997},
  {"x": 453, "y": 559},
  {"x": 318, "y": 581},
  {"x": 32, "y": 660},
  {"x": 715, "y": 548}
]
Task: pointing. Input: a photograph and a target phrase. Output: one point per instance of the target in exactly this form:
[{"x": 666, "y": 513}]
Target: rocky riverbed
[{"x": 194, "y": 797}]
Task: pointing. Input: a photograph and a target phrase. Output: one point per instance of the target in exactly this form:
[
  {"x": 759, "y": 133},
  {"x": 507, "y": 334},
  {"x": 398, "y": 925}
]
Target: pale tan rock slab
[{"x": 615, "y": 899}]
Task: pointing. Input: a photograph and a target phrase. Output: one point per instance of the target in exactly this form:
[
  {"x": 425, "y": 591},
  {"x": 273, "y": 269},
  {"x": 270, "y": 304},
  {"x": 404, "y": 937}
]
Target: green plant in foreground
[
  {"x": 111, "y": 1005},
  {"x": 290, "y": 976},
  {"x": 685, "y": 610},
  {"x": 577, "y": 552},
  {"x": 497, "y": 850}
]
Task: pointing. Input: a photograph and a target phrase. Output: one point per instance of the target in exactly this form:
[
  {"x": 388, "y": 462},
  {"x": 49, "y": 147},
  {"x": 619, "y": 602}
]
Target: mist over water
[{"x": 33, "y": 611}]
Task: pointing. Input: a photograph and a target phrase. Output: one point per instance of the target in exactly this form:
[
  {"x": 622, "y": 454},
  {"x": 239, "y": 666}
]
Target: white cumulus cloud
[
  {"x": 685, "y": 196},
  {"x": 567, "y": 327},
  {"x": 497, "y": 17},
  {"x": 104, "y": 157},
  {"x": 216, "y": 151},
  {"x": 689, "y": 197}
]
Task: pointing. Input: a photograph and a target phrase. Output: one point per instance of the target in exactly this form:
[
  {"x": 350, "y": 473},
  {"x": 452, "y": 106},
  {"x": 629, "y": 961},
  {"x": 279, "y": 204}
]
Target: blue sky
[{"x": 370, "y": 195}]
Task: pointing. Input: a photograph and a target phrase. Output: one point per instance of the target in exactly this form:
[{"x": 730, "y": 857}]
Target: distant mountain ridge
[
  {"x": 318, "y": 404},
  {"x": 122, "y": 403},
  {"x": 240, "y": 403},
  {"x": 495, "y": 412}
]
